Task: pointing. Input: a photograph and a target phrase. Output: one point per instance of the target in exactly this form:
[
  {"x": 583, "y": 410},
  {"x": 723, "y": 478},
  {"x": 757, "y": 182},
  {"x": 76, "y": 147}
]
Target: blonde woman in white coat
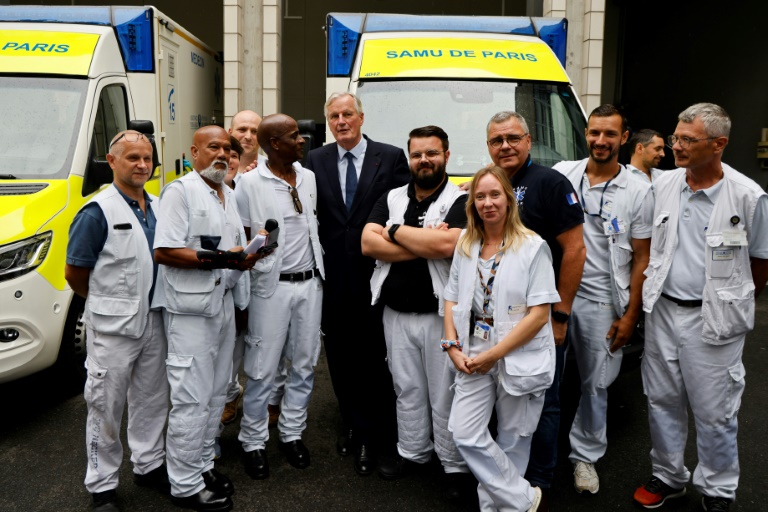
[{"x": 499, "y": 337}]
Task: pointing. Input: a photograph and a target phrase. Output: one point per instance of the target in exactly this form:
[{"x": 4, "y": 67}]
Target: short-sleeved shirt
[
  {"x": 686, "y": 277},
  {"x": 546, "y": 205},
  {"x": 88, "y": 233},
  {"x": 598, "y": 203},
  {"x": 408, "y": 287}
]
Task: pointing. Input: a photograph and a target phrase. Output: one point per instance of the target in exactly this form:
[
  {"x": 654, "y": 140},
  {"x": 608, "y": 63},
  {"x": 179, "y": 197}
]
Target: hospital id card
[
  {"x": 722, "y": 254},
  {"x": 482, "y": 331},
  {"x": 614, "y": 227}
]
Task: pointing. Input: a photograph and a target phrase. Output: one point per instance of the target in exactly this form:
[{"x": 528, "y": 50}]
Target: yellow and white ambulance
[
  {"x": 456, "y": 72},
  {"x": 70, "y": 79}
]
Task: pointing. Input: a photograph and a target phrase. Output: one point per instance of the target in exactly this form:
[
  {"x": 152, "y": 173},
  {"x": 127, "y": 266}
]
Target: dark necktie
[{"x": 351, "y": 185}]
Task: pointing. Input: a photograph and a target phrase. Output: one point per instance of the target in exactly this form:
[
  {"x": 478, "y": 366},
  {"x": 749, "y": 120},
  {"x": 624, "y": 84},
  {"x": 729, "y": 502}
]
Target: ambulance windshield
[
  {"x": 41, "y": 123},
  {"x": 463, "y": 109}
]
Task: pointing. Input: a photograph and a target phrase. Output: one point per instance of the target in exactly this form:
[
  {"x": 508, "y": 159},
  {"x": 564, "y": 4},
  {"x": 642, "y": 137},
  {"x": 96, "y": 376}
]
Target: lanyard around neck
[
  {"x": 488, "y": 288},
  {"x": 602, "y": 194}
]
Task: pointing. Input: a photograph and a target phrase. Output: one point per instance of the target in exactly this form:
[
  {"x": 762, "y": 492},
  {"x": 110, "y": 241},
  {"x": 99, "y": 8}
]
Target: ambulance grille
[{"x": 21, "y": 189}]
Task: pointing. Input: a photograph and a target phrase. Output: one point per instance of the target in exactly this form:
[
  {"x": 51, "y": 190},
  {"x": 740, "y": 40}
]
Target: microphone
[{"x": 270, "y": 225}]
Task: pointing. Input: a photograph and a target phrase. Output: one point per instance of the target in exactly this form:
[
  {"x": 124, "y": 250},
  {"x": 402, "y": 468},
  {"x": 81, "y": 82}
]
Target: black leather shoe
[
  {"x": 363, "y": 461},
  {"x": 156, "y": 479},
  {"x": 218, "y": 482},
  {"x": 105, "y": 501},
  {"x": 461, "y": 487},
  {"x": 344, "y": 443},
  {"x": 296, "y": 453},
  {"x": 392, "y": 467},
  {"x": 205, "y": 500},
  {"x": 256, "y": 464}
]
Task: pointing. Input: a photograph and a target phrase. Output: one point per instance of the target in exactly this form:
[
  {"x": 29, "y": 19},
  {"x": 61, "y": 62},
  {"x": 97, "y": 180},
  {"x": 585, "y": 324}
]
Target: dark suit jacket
[{"x": 347, "y": 271}]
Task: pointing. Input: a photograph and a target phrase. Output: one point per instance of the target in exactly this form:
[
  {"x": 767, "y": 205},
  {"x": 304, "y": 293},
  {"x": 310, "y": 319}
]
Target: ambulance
[
  {"x": 456, "y": 72},
  {"x": 70, "y": 79}
]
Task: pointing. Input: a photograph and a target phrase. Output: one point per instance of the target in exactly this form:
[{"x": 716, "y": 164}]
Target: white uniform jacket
[
  {"x": 119, "y": 284},
  {"x": 728, "y": 308},
  {"x": 262, "y": 205},
  {"x": 439, "y": 269},
  {"x": 628, "y": 199},
  {"x": 187, "y": 291},
  {"x": 530, "y": 368}
]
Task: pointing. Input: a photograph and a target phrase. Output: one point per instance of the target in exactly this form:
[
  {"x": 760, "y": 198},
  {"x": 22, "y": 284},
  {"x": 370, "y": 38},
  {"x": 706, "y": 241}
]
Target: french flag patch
[{"x": 571, "y": 198}]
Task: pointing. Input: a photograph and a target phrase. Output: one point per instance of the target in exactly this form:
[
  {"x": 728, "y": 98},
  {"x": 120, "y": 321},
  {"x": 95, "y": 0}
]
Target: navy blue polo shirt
[
  {"x": 546, "y": 205},
  {"x": 88, "y": 233}
]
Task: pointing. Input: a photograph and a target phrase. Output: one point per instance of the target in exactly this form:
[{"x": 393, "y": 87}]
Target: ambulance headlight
[{"x": 20, "y": 257}]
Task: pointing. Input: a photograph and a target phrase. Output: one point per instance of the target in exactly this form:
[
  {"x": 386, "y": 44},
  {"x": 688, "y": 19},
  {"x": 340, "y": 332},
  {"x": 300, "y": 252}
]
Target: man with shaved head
[
  {"x": 109, "y": 262},
  {"x": 244, "y": 128},
  {"x": 199, "y": 245},
  {"x": 286, "y": 294}
]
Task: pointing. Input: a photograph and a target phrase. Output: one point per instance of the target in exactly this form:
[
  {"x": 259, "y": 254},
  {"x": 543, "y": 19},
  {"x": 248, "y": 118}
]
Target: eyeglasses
[
  {"x": 131, "y": 137},
  {"x": 296, "y": 201},
  {"x": 685, "y": 141},
  {"x": 511, "y": 140},
  {"x": 431, "y": 154}
]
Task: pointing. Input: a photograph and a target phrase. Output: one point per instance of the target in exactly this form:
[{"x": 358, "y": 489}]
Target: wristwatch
[
  {"x": 560, "y": 317},
  {"x": 392, "y": 230}
]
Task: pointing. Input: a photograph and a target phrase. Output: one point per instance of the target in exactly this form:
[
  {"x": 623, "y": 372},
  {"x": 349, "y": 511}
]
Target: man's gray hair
[
  {"x": 336, "y": 95},
  {"x": 506, "y": 115},
  {"x": 715, "y": 118}
]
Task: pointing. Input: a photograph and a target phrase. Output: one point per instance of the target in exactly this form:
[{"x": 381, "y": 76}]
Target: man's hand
[
  {"x": 621, "y": 332},
  {"x": 559, "y": 330},
  {"x": 460, "y": 360},
  {"x": 251, "y": 166}
]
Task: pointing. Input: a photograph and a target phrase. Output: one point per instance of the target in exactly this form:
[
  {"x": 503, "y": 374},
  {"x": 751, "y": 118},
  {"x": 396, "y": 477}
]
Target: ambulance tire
[{"x": 72, "y": 352}]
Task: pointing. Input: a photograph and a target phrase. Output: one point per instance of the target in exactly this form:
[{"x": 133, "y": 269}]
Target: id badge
[
  {"x": 722, "y": 254},
  {"x": 614, "y": 226},
  {"x": 482, "y": 331},
  {"x": 734, "y": 238}
]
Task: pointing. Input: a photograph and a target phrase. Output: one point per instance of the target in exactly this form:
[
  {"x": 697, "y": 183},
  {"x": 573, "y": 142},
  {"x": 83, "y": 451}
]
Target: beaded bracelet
[{"x": 446, "y": 344}]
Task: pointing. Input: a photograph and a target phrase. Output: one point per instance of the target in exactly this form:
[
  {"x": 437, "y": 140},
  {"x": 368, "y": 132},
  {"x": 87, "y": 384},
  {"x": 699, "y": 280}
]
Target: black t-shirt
[
  {"x": 547, "y": 204},
  {"x": 408, "y": 287}
]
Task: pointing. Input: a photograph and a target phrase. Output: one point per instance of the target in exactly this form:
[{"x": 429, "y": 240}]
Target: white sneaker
[
  {"x": 536, "y": 500},
  {"x": 585, "y": 477}
]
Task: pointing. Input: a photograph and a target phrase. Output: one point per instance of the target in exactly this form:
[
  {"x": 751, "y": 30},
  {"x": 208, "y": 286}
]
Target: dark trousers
[
  {"x": 541, "y": 466},
  {"x": 357, "y": 362}
]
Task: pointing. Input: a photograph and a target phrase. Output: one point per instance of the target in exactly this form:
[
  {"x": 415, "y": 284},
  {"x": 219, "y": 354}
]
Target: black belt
[
  {"x": 683, "y": 303},
  {"x": 300, "y": 276}
]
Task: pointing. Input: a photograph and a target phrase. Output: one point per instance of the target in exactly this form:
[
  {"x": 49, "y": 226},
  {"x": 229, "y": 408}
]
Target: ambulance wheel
[{"x": 72, "y": 352}]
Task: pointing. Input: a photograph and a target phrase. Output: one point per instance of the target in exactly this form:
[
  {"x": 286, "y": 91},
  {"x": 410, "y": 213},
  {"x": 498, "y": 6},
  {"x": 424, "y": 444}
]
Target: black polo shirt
[
  {"x": 408, "y": 287},
  {"x": 547, "y": 204}
]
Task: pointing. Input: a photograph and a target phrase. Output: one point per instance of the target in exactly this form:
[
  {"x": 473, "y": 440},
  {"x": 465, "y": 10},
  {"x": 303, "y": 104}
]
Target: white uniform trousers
[
  {"x": 679, "y": 369},
  {"x": 199, "y": 368},
  {"x": 234, "y": 388},
  {"x": 598, "y": 368},
  {"x": 498, "y": 465},
  {"x": 422, "y": 375},
  {"x": 286, "y": 323},
  {"x": 118, "y": 369}
]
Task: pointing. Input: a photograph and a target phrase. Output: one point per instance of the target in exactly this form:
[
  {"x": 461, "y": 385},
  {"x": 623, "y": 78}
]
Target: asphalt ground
[{"x": 42, "y": 454}]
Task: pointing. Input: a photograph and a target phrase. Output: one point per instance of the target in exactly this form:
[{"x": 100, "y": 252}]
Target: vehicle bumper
[{"x": 38, "y": 311}]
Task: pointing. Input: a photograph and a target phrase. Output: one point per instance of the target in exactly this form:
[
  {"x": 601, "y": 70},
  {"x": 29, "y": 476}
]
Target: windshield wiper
[{"x": 7, "y": 177}]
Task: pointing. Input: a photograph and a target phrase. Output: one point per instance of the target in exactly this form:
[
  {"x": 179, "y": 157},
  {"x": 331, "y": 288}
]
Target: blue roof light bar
[
  {"x": 343, "y": 36},
  {"x": 554, "y": 32},
  {"x": 501, "y": 25},
  {"x": 53, "y": 14},
  {"x": 133, "y": 26}
]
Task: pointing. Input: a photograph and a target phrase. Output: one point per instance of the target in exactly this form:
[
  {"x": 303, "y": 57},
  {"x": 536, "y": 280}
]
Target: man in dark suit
[{"x": 351, "y": 175}]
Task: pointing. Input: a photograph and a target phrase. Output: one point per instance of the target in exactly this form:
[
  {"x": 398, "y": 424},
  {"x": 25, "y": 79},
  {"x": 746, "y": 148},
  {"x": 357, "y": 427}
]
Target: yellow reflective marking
[
  {"x": 33, "y": 51},
  {"x": 460, "y": 58}
]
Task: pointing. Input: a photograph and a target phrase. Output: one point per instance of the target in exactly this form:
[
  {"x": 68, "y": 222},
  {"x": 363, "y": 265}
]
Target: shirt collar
[
  {"x": 264, "y": 171},
  {"x": 712, "y": 192},
  {"x": 432, "y": 197},
  {"x": 356, "y": 151},
  {"x": 131, "y": 200},
  {"x": 520, "y": 174}
]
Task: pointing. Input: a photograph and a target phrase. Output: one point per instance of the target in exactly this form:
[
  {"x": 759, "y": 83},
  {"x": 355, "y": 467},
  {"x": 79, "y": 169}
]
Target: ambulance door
[{"x": 170, "y": 147}]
